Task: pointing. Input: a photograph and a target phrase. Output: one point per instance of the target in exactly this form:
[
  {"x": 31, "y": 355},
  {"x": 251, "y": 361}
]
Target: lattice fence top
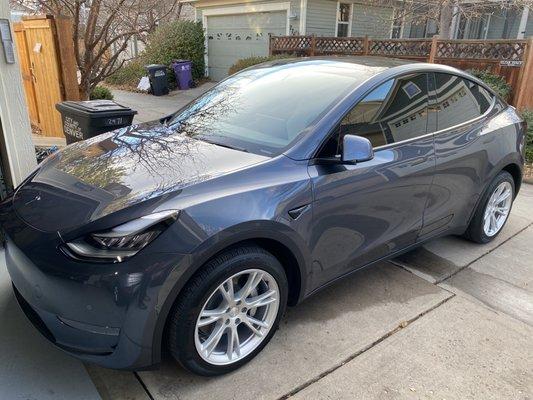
[
  {"x": 512, "y": 50},
  {"x": 326, "y": 45},
  {"x": 481, "y": 50},
  {"x": 294, "y": 43},
  {"x": 418, "y": 48}
]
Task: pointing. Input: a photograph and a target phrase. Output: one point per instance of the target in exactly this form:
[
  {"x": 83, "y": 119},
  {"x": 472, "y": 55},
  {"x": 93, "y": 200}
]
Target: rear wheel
[
  {"x": 228, "y": 312},
  {"x": 493, "y": 210}
]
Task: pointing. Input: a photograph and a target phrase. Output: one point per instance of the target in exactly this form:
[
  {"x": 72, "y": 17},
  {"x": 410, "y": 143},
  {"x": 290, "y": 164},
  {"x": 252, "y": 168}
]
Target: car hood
[{"x": 91, "y": 179}]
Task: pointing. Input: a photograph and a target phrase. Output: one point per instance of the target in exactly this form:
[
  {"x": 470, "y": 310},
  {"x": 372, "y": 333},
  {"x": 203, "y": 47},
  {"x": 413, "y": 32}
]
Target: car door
[
  {"x": 461, "y": 152},
  {"x": 366, "y": 211}
]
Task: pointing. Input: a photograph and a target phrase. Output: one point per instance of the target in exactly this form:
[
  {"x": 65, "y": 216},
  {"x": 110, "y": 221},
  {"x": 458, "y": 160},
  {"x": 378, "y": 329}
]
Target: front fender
[{"x": 244, "y": 232}]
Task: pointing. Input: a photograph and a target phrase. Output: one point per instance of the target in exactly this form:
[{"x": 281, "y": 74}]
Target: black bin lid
[
  {"x": 153, "y": 67},
  {"x": 94, "y": 108}
]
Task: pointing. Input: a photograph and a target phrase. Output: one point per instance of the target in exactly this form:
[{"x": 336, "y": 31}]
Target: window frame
[
  {"x": 432, "y": 101},
  {"x": 348, "y": 23}
]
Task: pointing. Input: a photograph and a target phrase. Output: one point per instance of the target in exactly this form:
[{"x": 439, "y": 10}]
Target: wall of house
[
  {"x": 321, "y": 17},
  {"x": 17, "y": 153},
  {"x": 366, "y": 20},
  {"x": 372, "y": 21}
]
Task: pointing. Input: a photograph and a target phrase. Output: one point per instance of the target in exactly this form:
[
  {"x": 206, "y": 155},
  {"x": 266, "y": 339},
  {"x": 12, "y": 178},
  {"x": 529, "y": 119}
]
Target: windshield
[{"x": 265, "y": 109}]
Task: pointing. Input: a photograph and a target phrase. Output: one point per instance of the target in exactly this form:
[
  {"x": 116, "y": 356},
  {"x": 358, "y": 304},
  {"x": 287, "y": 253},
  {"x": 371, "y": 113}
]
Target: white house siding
[
  {"x": 321, "y": 17},
  {"x": 372, "y": 21}
]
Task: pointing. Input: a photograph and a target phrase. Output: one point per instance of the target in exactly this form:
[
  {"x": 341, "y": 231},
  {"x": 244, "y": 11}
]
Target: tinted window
[
  {"x": 394, "y": 111},
  {"x": 459, "y": 100},
  {"x": 263, "y": 110}
]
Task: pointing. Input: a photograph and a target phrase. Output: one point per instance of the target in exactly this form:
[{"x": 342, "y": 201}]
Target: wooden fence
[
  {"x": 46, "y": 57},
  {"x": 511, "y": 59}
]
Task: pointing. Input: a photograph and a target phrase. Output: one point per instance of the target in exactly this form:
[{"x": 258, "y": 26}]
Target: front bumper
[{"x": 100, "y": 314}]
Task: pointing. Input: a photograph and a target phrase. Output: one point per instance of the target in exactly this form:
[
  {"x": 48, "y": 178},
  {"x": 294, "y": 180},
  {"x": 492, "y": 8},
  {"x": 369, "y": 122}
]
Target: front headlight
[{"x": 123, "y": 241}]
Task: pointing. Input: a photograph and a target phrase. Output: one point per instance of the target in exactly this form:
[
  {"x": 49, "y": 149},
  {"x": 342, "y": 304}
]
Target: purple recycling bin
[{"x": 182, "y": 69}]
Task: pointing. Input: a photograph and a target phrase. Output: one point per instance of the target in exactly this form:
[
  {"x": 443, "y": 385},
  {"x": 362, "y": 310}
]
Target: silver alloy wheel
[
  {"x": 497, "y": 209},
  {"x": 237, "y": 317}
]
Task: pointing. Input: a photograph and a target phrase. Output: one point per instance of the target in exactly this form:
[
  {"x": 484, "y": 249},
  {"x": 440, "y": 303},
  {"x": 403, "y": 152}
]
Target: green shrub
[
  {"x": 244, "y": 63},
  {"x": 101, "y": 93},
  {"x": 177, "y": 40},
  {"x": 528, "y": 117},
  {"x": 495, "y": 82},
  {"x": 129, "y": 75}
]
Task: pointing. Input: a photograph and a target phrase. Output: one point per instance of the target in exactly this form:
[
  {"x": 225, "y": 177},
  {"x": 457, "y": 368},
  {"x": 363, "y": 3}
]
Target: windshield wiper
[{"x": 225, "y": 145}]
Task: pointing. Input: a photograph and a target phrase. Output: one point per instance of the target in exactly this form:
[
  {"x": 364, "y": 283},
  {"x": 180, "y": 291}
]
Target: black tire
[
  {"x": 184, "y": 314},
  {"x": 475, "y": 231}
]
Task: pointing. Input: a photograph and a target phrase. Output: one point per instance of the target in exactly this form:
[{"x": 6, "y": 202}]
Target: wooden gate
[{"x": 46, "y": 82}]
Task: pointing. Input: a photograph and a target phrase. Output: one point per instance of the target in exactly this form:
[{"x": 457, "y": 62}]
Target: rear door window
[{"x": 459, "y": 100}]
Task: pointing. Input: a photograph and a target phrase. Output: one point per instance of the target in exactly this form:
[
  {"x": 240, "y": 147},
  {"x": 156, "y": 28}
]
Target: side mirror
[{"x": 356, "y": 149}]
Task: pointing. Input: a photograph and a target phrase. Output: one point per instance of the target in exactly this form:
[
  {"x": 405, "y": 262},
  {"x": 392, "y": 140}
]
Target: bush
[
  {"x": 101, "y": 93},
  {"x": 495, "y": 82},
  {"x": 129, "y": 75},
  {"x": 244, "y": 63},
  {"x": 528, "y": 117},
  {"x": 177, "y": 40}
]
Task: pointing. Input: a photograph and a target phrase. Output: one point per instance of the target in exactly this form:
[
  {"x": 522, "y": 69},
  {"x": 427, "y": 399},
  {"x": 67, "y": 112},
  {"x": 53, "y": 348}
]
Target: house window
[
  {"x": 397, "y": 24},
  {"x": 344, "y": 19}
]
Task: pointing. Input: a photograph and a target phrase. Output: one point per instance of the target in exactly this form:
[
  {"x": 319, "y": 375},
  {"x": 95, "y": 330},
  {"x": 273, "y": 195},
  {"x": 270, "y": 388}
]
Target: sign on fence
[{"x": 511, "y": 63}]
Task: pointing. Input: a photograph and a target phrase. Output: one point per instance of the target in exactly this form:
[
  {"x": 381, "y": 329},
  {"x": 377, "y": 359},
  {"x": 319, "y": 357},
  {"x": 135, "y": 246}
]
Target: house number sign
[
  {"x": 7, "y": 41},
  {"x": 511, "y": 63}
]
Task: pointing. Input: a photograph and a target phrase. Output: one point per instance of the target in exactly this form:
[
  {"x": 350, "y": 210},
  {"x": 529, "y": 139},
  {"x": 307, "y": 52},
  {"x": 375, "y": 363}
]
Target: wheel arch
[
  {"x": 516, "y": 172},
  {"x": 284, "y": 247}
]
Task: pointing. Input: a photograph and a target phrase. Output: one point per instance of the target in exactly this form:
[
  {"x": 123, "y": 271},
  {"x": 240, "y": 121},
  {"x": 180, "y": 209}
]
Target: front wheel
[
  {"x": 493, "y": 209},
  {"x": 228, "y": 312}
]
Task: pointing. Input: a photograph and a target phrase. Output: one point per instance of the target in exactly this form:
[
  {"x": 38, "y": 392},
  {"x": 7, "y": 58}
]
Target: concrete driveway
[
  {"x": 150, "y": 108},
  {"x": 451, "y": 320}
]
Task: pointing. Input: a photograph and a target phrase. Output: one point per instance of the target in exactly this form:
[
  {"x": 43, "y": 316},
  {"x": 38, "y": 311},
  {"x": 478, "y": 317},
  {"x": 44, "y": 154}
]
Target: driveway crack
[{"x": 401, "y": 326}]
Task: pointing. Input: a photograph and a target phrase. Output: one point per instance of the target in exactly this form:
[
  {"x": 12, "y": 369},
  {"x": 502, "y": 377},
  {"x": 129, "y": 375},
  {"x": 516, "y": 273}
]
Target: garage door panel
[{"x": 232, "y": 37}]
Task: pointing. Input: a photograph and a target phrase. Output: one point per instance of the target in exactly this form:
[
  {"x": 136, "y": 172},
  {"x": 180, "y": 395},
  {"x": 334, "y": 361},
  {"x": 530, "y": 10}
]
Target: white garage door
[{"x": 232, "y": 37}]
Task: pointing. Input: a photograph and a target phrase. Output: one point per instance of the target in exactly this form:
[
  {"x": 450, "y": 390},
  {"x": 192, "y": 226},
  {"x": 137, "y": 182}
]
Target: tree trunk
[
  {"x": 85, "y": 89},
  {"x": 445, "y": 21}
]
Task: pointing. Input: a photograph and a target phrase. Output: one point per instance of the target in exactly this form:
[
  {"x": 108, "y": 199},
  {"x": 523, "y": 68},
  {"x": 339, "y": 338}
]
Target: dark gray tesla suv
[{"x": 194, "y": 232}]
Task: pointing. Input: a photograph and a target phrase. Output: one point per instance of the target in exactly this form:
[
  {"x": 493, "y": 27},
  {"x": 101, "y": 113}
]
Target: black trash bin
[
  {"x": 85, "y": 119},
  {"x": 157, "y": 74}
]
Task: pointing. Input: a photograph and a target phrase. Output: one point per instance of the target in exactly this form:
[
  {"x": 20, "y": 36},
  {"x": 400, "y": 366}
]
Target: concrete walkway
[
  {"x": 150, "y": 107},
  {"x": 451, "y": 320}
]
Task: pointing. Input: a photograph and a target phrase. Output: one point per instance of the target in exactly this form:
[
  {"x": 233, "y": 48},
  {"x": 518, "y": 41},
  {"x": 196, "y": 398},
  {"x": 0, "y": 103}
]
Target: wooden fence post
[
  {"x": 313, "y": 46},
  {"x": 270, "y": 37},
  {"x": 365, "y": 46},
  {"x": 523, "y": 97},
  {"x": 67, "y": 64},
  {"x": 433, "y": 51}
]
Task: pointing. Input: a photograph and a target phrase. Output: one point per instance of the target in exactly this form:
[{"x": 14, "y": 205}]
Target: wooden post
[
  {"x": 68, "y": 65},
  {"x": 433, "y": 51},
  {"x": 313, "y": 46},
  {"x": 523, "y": 97},
  {"x": 270, "y": 44},
  {"x": 365, "y": 46},
  {"x": 17, "y": 152}
]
